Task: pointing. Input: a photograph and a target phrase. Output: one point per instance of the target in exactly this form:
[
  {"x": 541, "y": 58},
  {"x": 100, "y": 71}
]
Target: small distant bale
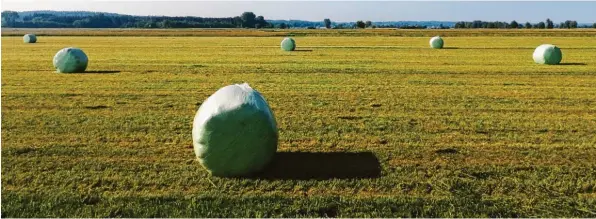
[
  {"x": 234, "y": 132},
  {"x": 548, "y": 54},
  {"x": 29, "y": 38},
  {"x": 436, "y": 42},
  {"x": 70, "y": 60},
  {"x": 288, "y": 44}
]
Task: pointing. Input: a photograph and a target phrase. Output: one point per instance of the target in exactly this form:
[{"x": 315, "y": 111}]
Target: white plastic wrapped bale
[
  {"x": 547, "y": 54},
  {"x": 234, "y": 132},
  {"x": 288, "y": 44},
  {"x": 70, "y": 60},
  {"x": 436, "y": 42},
  {"x": 29, "y": 38}
]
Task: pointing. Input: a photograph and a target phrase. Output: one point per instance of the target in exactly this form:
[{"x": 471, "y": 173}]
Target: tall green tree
[
  {"x": 594, "y": 25},
  {"x": 360, "y": 24},
  {"x": 541, "y": 25},
  {"x": 528, "y": 25},
  {"x": 248, "y": 19},
  {"x": 514, "y": 24},
  {"x": 327, "y": 23},
  {"x": 567, "y": 24},
  {"x": 260, "y": 22},
  {"x": 549, "y": 24},
  {"x": 368, "y": 24}
]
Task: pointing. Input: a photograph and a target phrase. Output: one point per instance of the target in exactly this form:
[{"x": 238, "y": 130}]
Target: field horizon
[
  {"x": 239, "y": 32},
  {"x": 372, "y": 123}
]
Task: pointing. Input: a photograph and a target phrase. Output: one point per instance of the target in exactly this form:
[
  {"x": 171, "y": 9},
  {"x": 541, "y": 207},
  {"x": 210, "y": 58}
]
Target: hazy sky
[{"x": 533, "y": 11}]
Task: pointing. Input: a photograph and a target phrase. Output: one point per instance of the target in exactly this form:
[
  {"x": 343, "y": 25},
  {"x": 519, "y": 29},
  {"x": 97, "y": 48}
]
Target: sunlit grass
[{"x": 474, "y": 130}]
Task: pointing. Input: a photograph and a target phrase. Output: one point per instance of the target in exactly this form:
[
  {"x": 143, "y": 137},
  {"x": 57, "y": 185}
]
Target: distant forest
[
  {"x": 55, "y": 19},
  {"x": 84, "y": 19}
]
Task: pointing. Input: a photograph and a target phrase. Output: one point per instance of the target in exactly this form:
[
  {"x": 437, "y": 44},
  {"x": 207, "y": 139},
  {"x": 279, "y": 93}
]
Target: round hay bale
[
  {"x": 547, "y": 54},
  {"x": 29, "y": 38},
  {"x": 436, "y": 42},
  {"x": 234, "y": 132},
  {"x": 70, "y": 60},
  {"x": 288, "y": 44}
]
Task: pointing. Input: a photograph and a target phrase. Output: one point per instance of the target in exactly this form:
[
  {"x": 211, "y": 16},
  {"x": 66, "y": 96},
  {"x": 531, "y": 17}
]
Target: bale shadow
[
  {"x": 495, "y": 48},
  {"x": 96, "y": 107},
  {"x": 321, "y": 166},
  {"x": 572, "y": 63},
  {"x": 446, "y": 151},
  {"x": 100, "y": 72},
  {"x": 450, "y": 48},
  {"x": 303, "y": 50}
]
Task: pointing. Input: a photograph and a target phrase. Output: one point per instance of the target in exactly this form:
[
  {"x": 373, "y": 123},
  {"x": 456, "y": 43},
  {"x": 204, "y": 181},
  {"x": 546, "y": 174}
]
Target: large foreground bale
[
  {"x": 70, "y": 60},
  {"x": 288, "y": 44},
  {"x": 29, "y": 38},
  {"x": 234, "y": 132},
  {"x": 436, "y": 42},
  {"x": 547, "y": 54}
]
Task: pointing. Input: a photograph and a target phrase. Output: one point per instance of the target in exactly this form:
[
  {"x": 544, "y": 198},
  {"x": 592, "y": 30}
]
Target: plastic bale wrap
[
  {"x": 70, "y": 60},
  {"x": 288, "y": 44},
  {"x": 548, "y": 54},
  {"x": 436, "y": 42},
  {"x": 29, "y": 38},
  {"x": 234, "y": 132}
]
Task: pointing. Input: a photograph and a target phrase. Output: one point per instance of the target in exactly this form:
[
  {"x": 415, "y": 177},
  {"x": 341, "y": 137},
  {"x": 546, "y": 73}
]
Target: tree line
[
  {"x": 82, "y": 19},
  {"x": 328, "y": 24},
  {"x": 101, "y": 20},
  {"x": 549, "y": 24}
]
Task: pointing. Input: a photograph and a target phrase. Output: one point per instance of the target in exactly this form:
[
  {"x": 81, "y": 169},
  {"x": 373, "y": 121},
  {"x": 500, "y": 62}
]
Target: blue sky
[{"x": 533, "y": 11}]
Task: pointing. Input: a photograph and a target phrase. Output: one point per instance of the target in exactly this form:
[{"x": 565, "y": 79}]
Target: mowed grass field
[{"x": 373, "y": 126}]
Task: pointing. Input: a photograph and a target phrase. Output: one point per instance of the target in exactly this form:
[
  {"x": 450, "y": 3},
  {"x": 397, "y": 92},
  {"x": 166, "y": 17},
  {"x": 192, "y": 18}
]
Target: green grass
[{"x": 478, "y": 130}]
